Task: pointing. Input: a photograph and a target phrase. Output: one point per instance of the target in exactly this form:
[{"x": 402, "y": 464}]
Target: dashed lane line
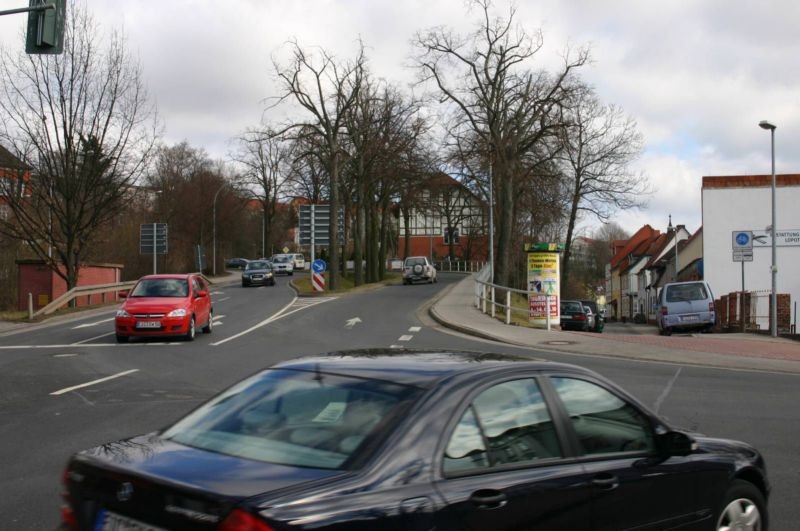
[
  {"x": 86, "y": 325},
  {"x": 93, "y": 338},
  {"x": 405, "y": 338},
  {"x": 93, "y": 382},
  {"x": 415, "y": 329}
]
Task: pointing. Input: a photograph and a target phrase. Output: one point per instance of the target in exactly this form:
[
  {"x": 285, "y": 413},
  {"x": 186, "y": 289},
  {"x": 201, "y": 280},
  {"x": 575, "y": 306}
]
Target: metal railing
[
  {"x": 460, "y": 266},
  {"x": 75, "y": 293},
  {"x": 486, "y": 295},
  {"x": 86, "y": 291}
]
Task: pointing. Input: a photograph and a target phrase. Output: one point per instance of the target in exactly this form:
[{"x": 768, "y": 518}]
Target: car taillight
[
  {"x": 580, "y": 317},
  {"x": 68, "y": 518},
  {"x": 240, "y": 520},
  {"x": 664, "y": 310}
]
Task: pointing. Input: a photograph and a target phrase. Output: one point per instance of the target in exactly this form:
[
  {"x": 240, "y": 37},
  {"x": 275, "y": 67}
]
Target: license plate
[
  {"x": 690, "y": 318},
  {"x": 108, "y": 521},
  {"x": 148, "y": 324},
  {"x": 566, "y": 317}
]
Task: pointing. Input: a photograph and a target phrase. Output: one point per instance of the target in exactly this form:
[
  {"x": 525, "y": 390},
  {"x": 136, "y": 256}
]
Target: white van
[
  {"x": 299, "y": 262},
  {"x": 686, "y": 306}
]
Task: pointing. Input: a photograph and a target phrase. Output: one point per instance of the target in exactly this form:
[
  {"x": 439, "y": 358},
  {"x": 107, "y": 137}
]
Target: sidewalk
[
  {"x": 455, "y": 309},
  {"x": 8, "y": 328}
]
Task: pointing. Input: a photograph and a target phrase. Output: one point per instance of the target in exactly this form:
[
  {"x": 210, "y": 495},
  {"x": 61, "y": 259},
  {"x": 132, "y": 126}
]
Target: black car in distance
[
  {"x": 236, "y": 263},
  {"x": 575, "y": 317},
  {"x": 400, "y": 440},
  {"x": 258, "y": 272}
]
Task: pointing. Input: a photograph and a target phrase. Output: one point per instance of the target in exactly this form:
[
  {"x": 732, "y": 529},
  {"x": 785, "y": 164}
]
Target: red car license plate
[
  {"x": 148, "y": 324},
  {"x": 115, "y": 522}
]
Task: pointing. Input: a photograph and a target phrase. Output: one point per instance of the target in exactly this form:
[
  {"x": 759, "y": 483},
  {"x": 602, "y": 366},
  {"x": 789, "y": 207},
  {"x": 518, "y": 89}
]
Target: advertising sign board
[{"x": 543, "y": 284}]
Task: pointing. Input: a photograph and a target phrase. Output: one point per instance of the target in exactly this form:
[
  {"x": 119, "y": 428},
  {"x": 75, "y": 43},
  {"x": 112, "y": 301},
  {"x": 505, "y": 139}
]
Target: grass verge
[{"x": 346, "y": 284}]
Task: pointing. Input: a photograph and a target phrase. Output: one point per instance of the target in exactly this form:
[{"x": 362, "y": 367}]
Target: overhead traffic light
[{"x": 46, "y": 27}]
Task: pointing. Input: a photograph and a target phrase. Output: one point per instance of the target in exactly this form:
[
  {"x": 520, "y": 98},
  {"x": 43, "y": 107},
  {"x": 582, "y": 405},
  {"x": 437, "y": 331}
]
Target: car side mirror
[
  {"x": 202, "y": 293},
  {"x": 123, "y": 294},
  {"x": 675, "y": 443}
]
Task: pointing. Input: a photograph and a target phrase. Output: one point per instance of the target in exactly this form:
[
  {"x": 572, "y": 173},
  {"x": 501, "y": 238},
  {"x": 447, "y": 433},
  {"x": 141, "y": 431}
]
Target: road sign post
[
  {"x": 318, "y": 268},
  {"x": 742, "y": 243},
  {"x": 153, "y": 238}
]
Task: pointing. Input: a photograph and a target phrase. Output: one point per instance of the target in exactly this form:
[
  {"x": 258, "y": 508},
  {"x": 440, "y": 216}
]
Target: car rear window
[
  {"x": 415, "y": 261},
  {"x": 687, "y": 292},
  {"x": 571, "y": 306},
  {"x": 257, "y": 265},
  {"x": 297, "y": 418},
  {"x": 161, "y": 287}
]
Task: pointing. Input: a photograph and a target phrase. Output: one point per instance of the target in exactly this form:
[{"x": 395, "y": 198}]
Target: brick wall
[{"x": 36, "y": 278}]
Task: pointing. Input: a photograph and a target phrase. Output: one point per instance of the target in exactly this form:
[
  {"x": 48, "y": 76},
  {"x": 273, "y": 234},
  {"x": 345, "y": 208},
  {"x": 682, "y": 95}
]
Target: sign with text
[
  {"x": 543, "y": 282},
  {"x": 314, "y": 223},
  {"x": 783, "y": 238},
  {"x": 153, "y": 238}
]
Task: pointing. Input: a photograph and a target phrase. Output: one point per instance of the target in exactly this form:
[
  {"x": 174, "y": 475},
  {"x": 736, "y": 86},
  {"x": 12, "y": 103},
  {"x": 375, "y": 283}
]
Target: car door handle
[
  {"x": 488, "y": 499},
  {"x": 606, "y": 481}
]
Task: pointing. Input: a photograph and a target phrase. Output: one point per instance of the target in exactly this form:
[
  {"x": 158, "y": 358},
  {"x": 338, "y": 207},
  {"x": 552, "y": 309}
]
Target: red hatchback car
[{"x": 165, "y": 305}]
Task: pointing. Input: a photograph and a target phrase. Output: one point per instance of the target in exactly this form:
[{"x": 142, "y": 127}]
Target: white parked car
[
  {"x": 418, "y": 268},
  {"x": 299, "y": 262}
]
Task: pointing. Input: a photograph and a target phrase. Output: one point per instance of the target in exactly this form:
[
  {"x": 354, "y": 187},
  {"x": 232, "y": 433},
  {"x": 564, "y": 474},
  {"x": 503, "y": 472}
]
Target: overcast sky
[{"x": 697, "y": 75}]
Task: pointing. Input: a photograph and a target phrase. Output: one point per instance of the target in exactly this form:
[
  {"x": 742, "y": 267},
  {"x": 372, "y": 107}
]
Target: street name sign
[
  {"x": 153, "y": 234},
  {"x": 314, "y": 222}
]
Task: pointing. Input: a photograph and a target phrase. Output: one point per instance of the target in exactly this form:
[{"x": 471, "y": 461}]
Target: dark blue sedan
[{"x": 398, "y": 440}]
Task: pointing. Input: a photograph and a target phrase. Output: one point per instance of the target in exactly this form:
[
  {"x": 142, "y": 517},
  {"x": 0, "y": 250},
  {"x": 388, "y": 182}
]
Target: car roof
[{"x": 421, "y": 368}]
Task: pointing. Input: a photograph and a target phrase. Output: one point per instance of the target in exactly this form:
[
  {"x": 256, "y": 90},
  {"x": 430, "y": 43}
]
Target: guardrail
[
  {"x": 74, "y": 293},
  {"x": 86, "y": 291},
  {"x": 485, "y": 292}
]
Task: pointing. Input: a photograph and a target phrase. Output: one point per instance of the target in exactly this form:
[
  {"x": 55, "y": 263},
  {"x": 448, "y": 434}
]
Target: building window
[{"x": 451, "y": 235}]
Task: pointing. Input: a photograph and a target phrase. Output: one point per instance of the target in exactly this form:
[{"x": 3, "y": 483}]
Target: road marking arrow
[{"x": 350, "y": 323}]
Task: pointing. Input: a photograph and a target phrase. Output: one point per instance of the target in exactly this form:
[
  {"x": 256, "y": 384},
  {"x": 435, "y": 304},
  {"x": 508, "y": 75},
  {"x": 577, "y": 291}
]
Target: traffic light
[{"x": 46, "y": 27}]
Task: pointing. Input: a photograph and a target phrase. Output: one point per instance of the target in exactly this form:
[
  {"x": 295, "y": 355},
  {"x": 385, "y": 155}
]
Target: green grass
[
  {"x": 13, "y": 315},
  {"x": 346, "y": 283}
]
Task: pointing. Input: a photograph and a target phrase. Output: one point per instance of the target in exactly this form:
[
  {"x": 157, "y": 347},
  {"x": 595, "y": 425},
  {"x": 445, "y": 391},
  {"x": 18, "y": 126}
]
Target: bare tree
[
  {"x": 599, "y": 143},
  {"x": 326, "y": 89},
  {"x": 84, "y": 124},
  {"x": 507, "y": 109},
  {"x": 265, "y": 158}
]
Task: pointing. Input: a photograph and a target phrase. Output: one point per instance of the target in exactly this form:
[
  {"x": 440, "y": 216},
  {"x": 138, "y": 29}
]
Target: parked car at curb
[
  {"x": 283, "y": 263},
  {"x": 387, "y": 439},
  {"x": 416, "y": 268},
  {"x": 575, "y": 317},
  {"x": 686, "y": 306},
  {"x": 258, "y": 272},
  {"x": 599, "y": 315},
  {"x": 165, "y": 305},
  {"x": 236, "y": 263}
]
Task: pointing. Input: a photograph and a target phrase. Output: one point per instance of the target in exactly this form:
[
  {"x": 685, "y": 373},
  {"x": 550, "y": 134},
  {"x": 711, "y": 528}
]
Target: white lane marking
[
  {"x": 221, "y": 300},
  {"x": 161, "y": 344},
  {"x": 396, "y": 346},
  {"x": 405, "y": 338},
  {"x": 93, "y": 338},
  {"x": 218, "y": 317},
  {"x": 93, "y": 382},
  {"x": 217, "y": 323},
  {"x": 415, "y": 329},
  {"x": 86, "y": 345},
  {"x": 350, "y": 323},
  {"x": 665, "y": 393},
  {"x": 302, "y": 305},
  {"x": 64, "y": 355},
  {"x": 217, "y": 293},
  {"x": 86, "y": 325}
]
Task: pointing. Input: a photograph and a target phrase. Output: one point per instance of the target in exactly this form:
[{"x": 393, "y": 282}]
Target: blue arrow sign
[
  {"x": 742, "y": 238},
  {"x": 319, "y": 265}
]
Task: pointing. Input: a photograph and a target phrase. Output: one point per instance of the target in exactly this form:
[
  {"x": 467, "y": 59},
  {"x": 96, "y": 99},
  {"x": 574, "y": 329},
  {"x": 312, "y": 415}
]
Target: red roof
[
  {"x": 749, "y": 181},
  {"x": 641, "y": 235}
]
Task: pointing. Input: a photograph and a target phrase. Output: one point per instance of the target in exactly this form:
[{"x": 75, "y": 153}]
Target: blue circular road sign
[
  {"x": 742, "y": 239},
  {"x": 319, "y": 265}
]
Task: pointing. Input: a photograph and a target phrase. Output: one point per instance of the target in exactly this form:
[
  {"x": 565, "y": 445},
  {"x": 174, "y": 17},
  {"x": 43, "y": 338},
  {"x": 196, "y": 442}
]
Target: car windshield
[
  {"x": 687, "y": 292},
  {"x": 257, "y": 265},
  {"x": 296, "y": 418},
  {"x": 281, "y": 259},
  {"x": 414, "y": 261},
  {"x": 571, "y": 306},
  {"x": 161, "y": 287}
]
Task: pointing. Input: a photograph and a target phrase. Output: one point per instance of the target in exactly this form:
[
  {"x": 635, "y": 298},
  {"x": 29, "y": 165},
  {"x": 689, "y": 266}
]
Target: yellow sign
[
  {"x": 285, "y": 250},
  {"x": 543, "y": 286}
]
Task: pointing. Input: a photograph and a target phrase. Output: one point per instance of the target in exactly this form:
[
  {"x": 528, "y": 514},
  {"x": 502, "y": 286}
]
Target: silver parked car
[
  {"x": 418, "y": 268},
  {"x": 686, "y": 306}
]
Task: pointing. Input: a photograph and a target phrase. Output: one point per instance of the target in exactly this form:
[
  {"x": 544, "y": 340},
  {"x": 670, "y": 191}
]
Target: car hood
[
  {"x": 727, "y": 446},
  {"x": 153, "y": 458},
  {"x": 154, "y": 304}
]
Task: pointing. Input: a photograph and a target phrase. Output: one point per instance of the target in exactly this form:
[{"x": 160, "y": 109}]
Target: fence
[
  {"x": 486, "y": 294},
  {"x": 463, "y": 266},
  {"x": 75, "y": 293}
]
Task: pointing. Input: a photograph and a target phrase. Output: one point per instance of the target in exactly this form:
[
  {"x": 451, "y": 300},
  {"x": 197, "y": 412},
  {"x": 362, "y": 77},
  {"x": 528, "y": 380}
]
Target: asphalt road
[{"x": 156, "y": 382}]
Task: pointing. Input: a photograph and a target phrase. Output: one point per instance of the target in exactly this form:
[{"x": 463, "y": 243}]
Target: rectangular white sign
[{"x": 783, "y": 238}]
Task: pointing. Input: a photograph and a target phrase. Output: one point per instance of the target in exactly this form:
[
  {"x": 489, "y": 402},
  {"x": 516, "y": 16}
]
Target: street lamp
[
  {"x": 214, "y": 230},
  {"x": 491, "y": 226},
  {"x": 773, "y": 317}
]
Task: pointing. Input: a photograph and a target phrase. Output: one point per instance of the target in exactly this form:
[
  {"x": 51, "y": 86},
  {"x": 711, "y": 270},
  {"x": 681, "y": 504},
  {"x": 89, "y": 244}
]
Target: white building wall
[{"x": 749, "y": 208}]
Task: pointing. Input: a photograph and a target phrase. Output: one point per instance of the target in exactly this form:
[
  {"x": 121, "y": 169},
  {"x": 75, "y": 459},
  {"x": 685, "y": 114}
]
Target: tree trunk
[
  {"x": 573, "y": 214},
  {"x": 407, "y": 231},
  {"x": 333, "y": 233}
]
